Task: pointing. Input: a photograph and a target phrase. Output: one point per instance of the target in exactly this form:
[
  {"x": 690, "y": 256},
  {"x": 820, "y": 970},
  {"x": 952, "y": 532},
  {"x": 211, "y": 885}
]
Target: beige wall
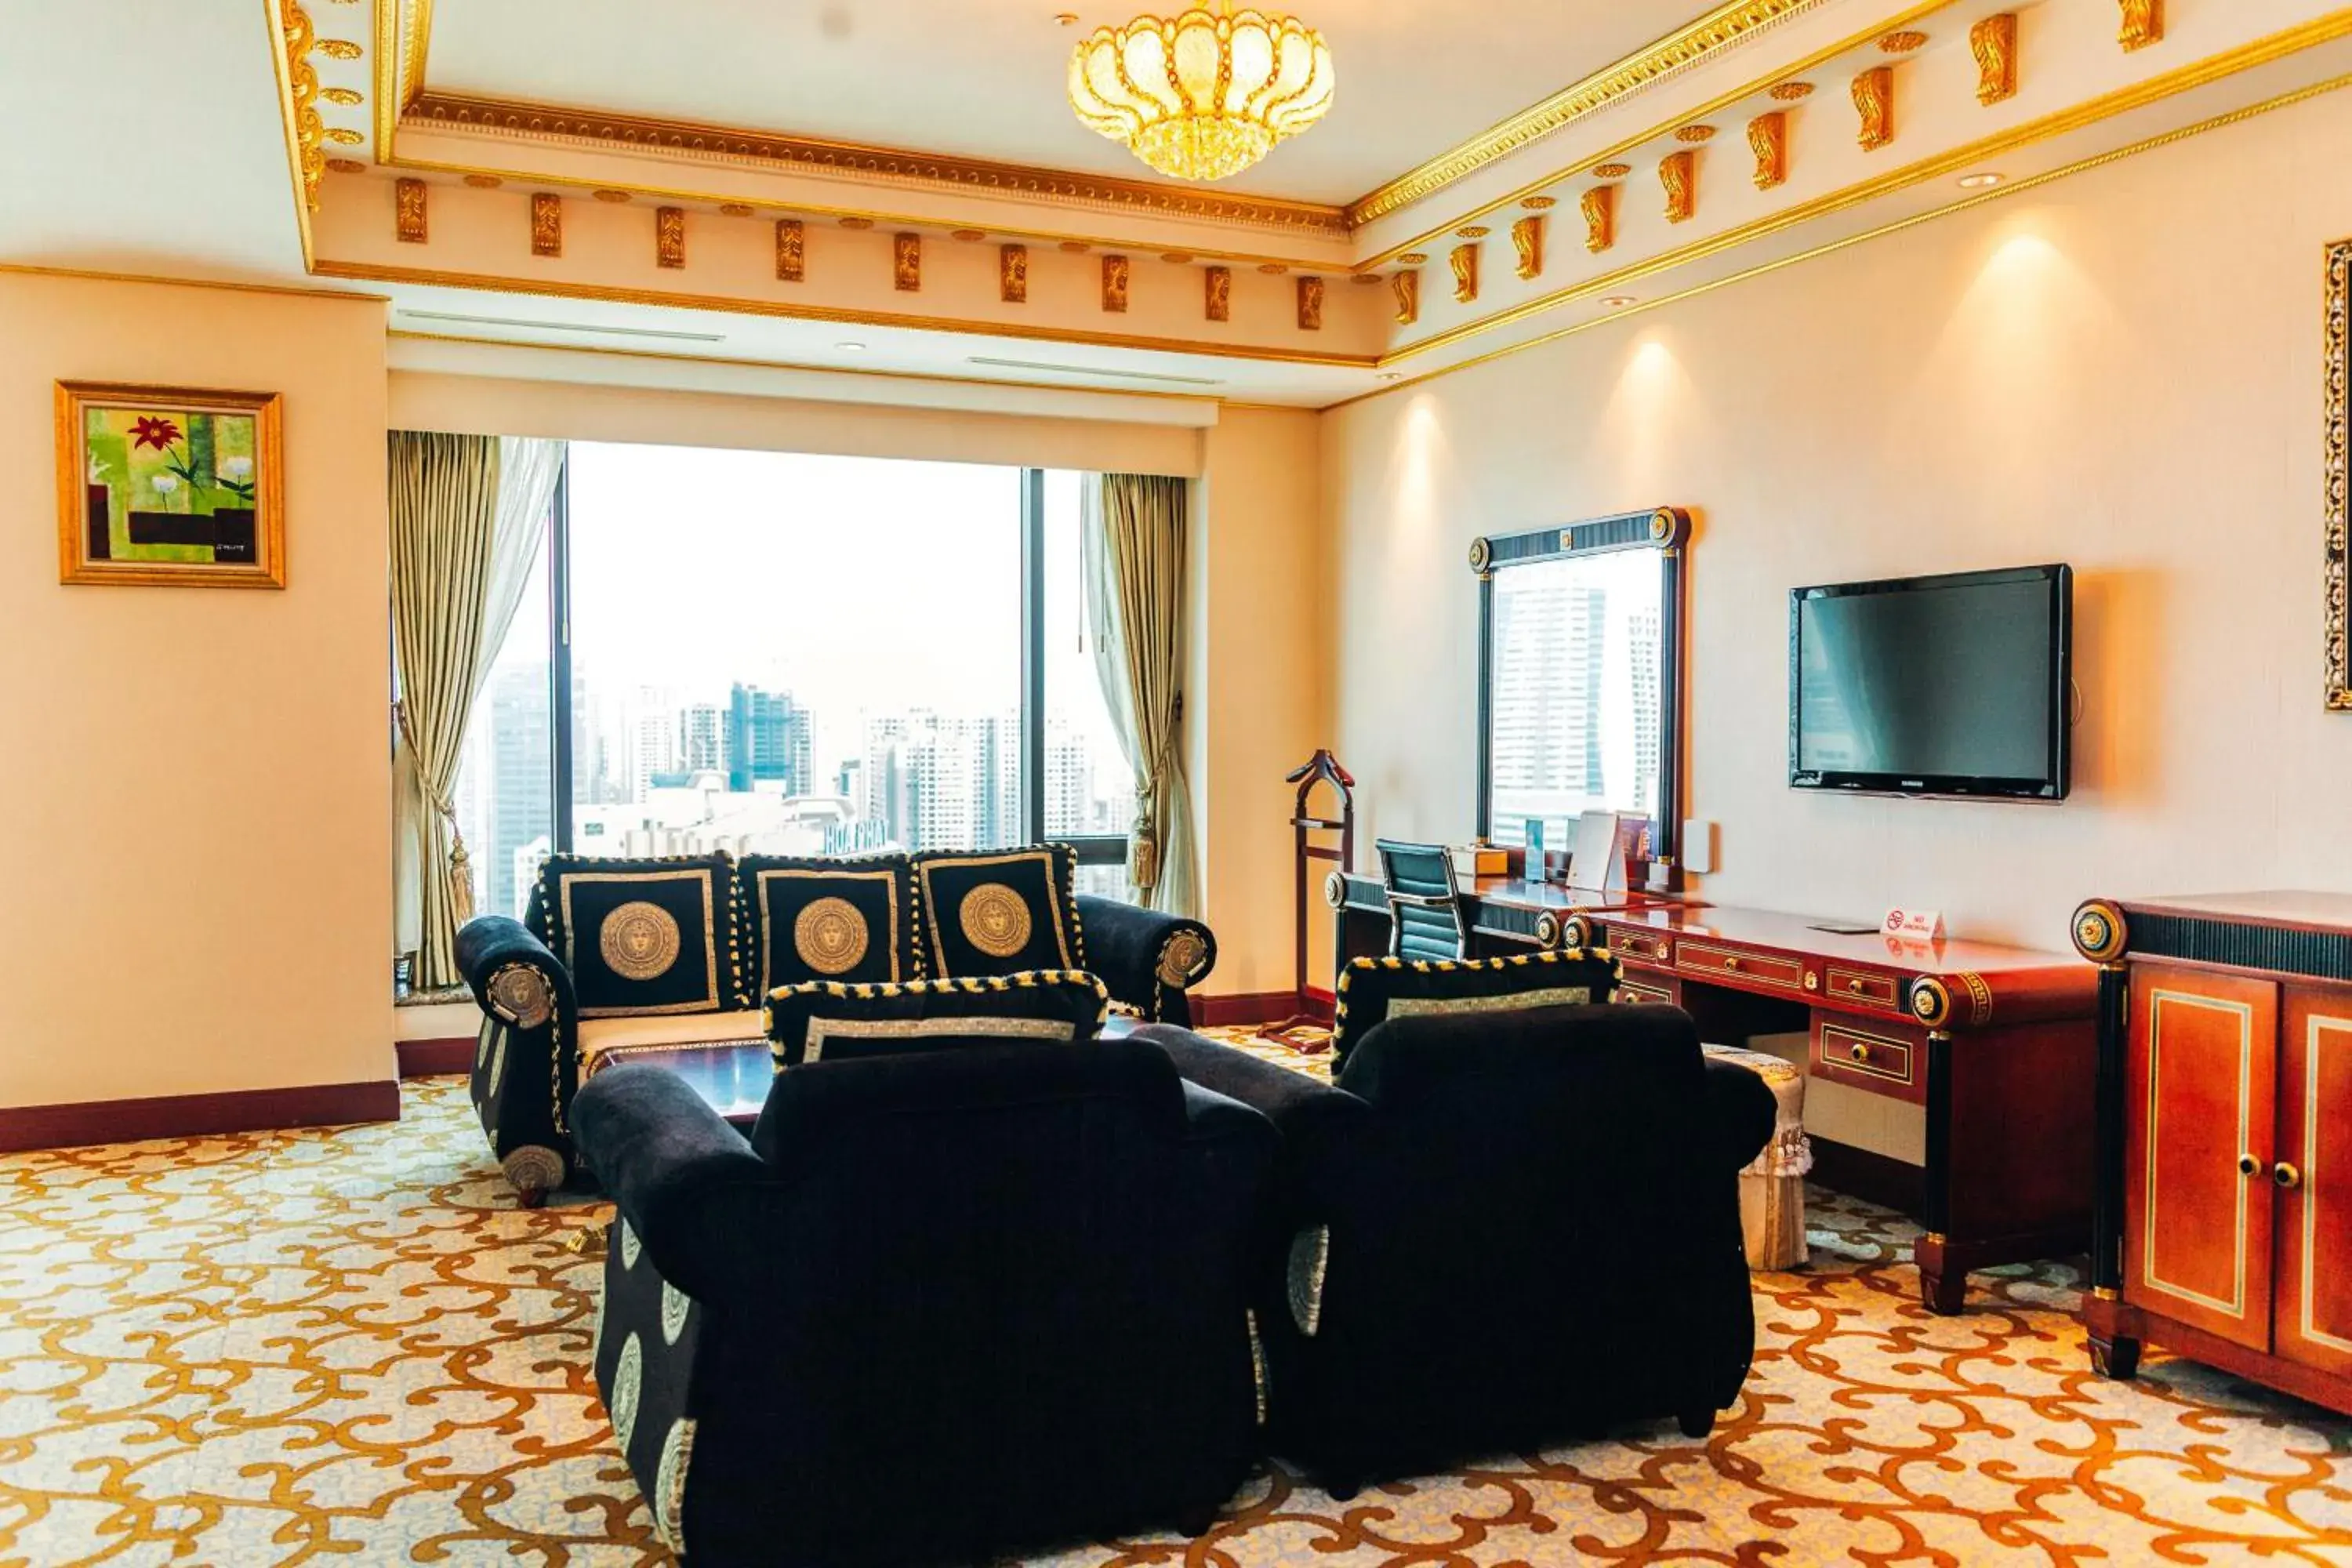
[
  {"x": 1258, "y": 701},
  {"x": 196, "y": 855},
  {"x": 2122, "y": 371}
]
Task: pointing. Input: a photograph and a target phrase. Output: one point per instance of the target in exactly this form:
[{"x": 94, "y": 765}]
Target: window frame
[{"x": 1093, "y": 848}]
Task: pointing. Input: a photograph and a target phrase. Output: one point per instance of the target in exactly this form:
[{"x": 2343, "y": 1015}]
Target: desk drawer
[
  {"x": 1642, "y": 946},
  {"x": 1761, "y": 968},
  {"x": 1862, "y": 985},
  {"x": 1881, "y": 1063},
  {"x": 1633, "y": 993}
]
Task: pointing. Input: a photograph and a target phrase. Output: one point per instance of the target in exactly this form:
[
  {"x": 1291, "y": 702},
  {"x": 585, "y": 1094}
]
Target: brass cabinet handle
[
  {"x": 2287, "y": 1177},
  {"x": 2248, "y": 1164},
  {"x": 1732, "y": 960},
  {"x": 1861, "y": 1052},
  {"x": 1856, "y": 986}
]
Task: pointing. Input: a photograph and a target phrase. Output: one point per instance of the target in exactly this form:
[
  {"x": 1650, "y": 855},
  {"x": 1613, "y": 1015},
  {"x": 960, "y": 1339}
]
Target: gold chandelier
[{"x": 1203, "y": 94}]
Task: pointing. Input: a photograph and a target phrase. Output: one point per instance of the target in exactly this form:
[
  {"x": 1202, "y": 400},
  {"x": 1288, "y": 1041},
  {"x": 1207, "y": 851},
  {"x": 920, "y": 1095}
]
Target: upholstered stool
[{"x": 1772, "y": 1188}]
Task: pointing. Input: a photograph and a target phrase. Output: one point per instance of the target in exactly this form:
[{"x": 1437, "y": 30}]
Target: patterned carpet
[{"x": 349, "y": 1347}]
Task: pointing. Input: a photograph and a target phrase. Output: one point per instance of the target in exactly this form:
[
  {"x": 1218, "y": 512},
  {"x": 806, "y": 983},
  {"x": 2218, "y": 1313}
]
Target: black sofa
[
  {"x": 942, "y": 1306},
  {"x": 537, "y": 1042},
  {"x": 1496, "y": 1231}
]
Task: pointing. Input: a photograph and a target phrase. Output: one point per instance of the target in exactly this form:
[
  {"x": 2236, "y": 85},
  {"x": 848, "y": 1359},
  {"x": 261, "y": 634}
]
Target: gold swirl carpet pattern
[{"x": 348, "y": 1347}]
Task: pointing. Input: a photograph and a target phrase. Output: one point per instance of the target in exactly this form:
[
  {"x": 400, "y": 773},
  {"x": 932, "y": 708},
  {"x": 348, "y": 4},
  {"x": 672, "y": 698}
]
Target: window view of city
[
  {"x": 1576, "y": 693},
  {"x": 780, "y": 654}
]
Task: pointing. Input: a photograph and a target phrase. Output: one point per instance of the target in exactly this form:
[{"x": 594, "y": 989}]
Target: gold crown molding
[
  {"x": 2123, "y": 100},
  {"x": 384, "y": 72},
  {"x": 813, "y": 156},
  {"x": 1900, "y": 225},
  {"x": 95, "y": 275},
  {"x": 720, "y": 304},
  {"x": 289, "y": 68},
  {"x": 415, "y": 44},
  {"x": 1677, "y": 52},
  {"x": 1993, "y": 44},
  {"x": 1792, "y": 91},
  {"x": 1627, "y": 149}
]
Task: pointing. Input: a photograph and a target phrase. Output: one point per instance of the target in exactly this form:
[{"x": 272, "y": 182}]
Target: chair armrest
[
  {"x": 1739, "y": 1113},
  {"x": 1145, "y": 954},
  {"x": 1324, "y": 1131},
  {"x": 679, "y": 1175},
  {"x": 515, "y": 978},
  {"x": 1213, "y": 1118}
]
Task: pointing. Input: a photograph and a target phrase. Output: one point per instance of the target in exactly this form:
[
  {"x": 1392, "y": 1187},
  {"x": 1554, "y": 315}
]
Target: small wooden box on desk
[
  {"x": 1993, "y": 1048},
  {"x": 2225, "y": 1128}
]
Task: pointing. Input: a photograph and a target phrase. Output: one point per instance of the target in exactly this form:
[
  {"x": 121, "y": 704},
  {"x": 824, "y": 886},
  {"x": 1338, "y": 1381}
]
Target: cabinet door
[
  {"x": 2199, "y": 1114},
  {"x": 2314, "y": 1179}
]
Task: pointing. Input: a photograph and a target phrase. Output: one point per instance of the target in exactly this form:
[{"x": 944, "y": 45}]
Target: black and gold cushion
[
  {"x": 644, "y": 936},
  {"x": 1000, "y": 912},
  {"x": 846, "y": 919},
  {"x": 826, "y": 1020},
  {"x": 1374, "y": 990}
]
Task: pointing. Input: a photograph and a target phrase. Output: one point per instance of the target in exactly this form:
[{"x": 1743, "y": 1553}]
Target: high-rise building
[
  {"x": 1641, "y": 659},
  {"x": 651, "y": 724},
  {"x": 768, "y": 740},
  {"x": 521, "y": 770},
  {"x": 1548, "y": 690},
  {"x": 702, "y": 738}
]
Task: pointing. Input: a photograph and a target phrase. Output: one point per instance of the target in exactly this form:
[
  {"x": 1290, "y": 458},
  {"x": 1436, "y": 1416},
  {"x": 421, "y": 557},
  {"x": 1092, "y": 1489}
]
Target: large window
[{"x": 783, "y": 654}]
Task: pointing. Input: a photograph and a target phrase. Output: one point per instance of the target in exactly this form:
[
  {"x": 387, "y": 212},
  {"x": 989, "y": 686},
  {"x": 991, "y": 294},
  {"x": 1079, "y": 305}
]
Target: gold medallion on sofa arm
[
  {"x": 639, "y": 940},
  {"x": 830, "y": 936},
  {"x": 995, "y": 920}
]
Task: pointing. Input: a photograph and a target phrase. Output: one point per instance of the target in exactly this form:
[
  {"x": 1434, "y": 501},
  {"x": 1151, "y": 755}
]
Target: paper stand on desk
[{"x": 1599, "y": 861}]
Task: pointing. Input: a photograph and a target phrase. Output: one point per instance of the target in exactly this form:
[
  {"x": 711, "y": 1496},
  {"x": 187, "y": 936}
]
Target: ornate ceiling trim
[
  {"x": 1678, "y": 51},
  {"x": 812, "y": 155},
  {"x": 726, "y": 304},
  {"x": 1899, "y": 226},
  {"x": 2091, "y": 112},
  {"x": 1618, "y": 149}
]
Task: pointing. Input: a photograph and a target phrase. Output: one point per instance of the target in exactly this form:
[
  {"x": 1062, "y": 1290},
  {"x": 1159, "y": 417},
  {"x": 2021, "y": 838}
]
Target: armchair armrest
[
  {"x": 1322, "y": 1129},
  {"x": 515, "y": 978},
  {"x": 1739, "y": 1114},
  {"x": 678, "y": 1174},
  {"x": 1148, "y": 959}
]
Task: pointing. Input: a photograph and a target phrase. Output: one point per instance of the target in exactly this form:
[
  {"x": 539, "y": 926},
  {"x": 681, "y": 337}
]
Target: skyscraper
[
  {"x": 768, "y": 740},
  {"x": 702, "y": 738},
  {"x": 521, "y": 768}
]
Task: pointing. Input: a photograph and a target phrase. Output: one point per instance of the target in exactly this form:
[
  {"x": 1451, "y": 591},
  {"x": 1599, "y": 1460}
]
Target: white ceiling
[
  {"x": 985, "y": 78},
  {"x": 142, "y": 137}
]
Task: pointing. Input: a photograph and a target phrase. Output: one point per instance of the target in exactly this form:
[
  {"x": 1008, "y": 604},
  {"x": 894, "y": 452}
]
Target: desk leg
[
  {"x": 1943, "y": 1287},
  {"x": 1943, "y": 1280}
]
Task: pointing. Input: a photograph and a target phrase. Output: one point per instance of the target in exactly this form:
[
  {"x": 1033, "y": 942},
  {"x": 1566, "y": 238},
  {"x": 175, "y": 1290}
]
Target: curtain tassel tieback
[{"x": 461, "y": 866}]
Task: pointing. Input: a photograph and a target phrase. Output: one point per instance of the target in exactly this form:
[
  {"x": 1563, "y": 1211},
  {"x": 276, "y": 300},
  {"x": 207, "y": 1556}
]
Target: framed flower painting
[{"x": 164, "y": 486}]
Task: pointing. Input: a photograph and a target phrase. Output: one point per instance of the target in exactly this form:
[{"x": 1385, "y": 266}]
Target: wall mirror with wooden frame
[{"x": 1580, "y": 678}]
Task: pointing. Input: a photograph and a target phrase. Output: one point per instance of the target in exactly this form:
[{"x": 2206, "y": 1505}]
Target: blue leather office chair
[{"x": 1424, "y": 903}]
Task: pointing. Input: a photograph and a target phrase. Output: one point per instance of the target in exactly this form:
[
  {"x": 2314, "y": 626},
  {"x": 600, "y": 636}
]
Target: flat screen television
[{"x": 1956, "y": 685}]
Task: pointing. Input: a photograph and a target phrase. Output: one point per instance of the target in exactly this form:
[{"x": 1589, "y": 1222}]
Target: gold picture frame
[
  {"x": 170, "y": 486},
  {"x": 2339, "y": 373}
]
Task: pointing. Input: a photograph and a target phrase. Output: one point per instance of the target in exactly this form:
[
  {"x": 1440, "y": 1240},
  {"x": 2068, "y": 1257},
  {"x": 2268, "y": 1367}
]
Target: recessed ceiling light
[
  {"x": 1391, "y": 376},
  {"x": 1619, "y": 301},
  {"x": 851, "y": 348},
  {"x": 1980, "y": 181}
]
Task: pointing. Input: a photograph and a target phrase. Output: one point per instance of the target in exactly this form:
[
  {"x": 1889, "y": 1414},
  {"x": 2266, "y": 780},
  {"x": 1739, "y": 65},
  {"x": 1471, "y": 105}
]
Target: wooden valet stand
[{"x": 1305, "y": 821}]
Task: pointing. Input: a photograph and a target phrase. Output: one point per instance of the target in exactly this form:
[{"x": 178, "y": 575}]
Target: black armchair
[
  {"x": 524, "y": 1074},
  {"x": 1147, "y": 959},
  {"x": 1496, "y": 1231},
  {"x": 1003, "y": 1281}
]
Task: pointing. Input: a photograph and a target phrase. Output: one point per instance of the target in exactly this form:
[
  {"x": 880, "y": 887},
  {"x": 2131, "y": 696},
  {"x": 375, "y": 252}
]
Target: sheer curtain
[
  {"x": 468, "y": 519},
  {"x": 1134, "y": 528}
]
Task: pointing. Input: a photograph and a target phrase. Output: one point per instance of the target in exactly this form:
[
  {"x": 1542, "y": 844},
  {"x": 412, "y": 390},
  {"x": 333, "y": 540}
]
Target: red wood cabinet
[{"x": 2226, "y": 1122}]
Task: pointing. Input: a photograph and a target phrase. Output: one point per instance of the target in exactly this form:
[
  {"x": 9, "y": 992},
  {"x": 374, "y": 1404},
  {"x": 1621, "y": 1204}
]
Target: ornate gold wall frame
[{"x": 2337, "y": 555}]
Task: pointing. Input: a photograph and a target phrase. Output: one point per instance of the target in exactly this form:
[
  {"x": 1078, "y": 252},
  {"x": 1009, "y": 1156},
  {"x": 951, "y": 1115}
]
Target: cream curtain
[
  {"x": 468, "y": 519},
  {"x": 1134, "y": 530}
]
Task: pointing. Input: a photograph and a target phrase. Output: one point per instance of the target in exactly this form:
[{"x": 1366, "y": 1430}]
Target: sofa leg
[
  {"x": 1696, "y": 1423},
  {"x": 531, "y": 1197},
  {"x": 1342, "y": 1488}
]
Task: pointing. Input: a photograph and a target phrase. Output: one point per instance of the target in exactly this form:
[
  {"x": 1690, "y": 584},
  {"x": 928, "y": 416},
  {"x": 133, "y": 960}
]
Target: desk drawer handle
[
  {"x": 2287, "y": 1177},
  {"x": 1861, "y": 1052},
  {"x": 2248, "y": 1164},
  {"x": 1856, "y": 986},
  {"x": 1732, "y": 960}
]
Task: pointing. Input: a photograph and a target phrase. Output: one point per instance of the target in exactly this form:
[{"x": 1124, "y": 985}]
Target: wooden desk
[{"x": 1996, "y": 1045}]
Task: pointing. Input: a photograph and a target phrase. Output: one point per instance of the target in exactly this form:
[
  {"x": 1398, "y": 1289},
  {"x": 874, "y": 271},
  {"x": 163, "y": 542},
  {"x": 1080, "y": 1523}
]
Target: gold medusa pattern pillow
[
  {"x": 644, "y": 936},
  {"x": 999, "y": 911},
  {"x": 848, "y": 919}
]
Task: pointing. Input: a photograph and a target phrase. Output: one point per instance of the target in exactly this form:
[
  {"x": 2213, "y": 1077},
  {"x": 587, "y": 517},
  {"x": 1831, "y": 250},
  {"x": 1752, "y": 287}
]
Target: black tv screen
[{"x": 1957, "y": 685}]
